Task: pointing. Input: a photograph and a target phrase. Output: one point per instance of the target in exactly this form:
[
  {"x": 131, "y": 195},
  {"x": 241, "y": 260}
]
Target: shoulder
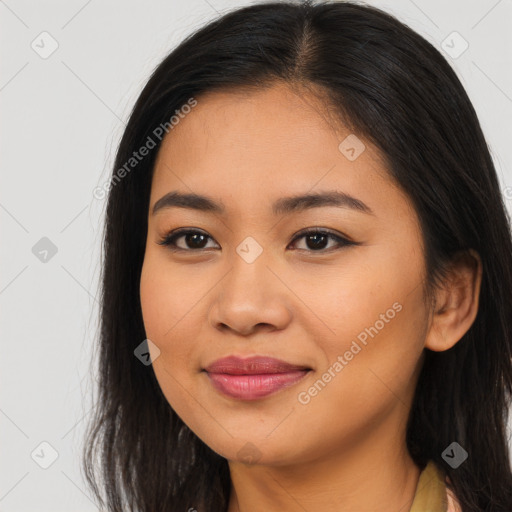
[
  {"x": 453, "y": 503},
  {"x": 433, "y": 493}
]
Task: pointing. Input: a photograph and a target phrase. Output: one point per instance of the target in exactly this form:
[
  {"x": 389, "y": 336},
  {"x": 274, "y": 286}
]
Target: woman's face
[{"x": 248, "y": 284}]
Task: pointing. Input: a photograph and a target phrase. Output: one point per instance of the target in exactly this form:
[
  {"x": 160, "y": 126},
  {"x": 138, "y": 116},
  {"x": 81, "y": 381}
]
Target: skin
[{"x": 345, "y": 449}]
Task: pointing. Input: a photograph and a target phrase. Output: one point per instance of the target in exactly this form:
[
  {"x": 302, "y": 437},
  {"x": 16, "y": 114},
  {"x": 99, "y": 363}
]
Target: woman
[{"x": 305, "y": 236}]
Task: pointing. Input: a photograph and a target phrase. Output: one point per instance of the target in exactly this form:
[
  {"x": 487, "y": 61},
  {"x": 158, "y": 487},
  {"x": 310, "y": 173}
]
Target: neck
[{"x": 364, "y": 477}]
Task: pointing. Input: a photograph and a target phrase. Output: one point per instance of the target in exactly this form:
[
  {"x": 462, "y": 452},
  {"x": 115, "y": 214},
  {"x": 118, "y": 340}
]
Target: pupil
[
  {"x": 314, "y": 238},
  {"x": 192, "y": 239}
]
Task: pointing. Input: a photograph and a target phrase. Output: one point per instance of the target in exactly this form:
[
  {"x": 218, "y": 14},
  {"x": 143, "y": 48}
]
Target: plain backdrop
[{"x": 70, "y": 73}]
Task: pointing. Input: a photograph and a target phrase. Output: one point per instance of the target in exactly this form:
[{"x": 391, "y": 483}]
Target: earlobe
[{"x": 456, "y": 302}]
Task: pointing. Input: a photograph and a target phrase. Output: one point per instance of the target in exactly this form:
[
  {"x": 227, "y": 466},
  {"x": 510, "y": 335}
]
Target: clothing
[{"x": 432, "y": 495}]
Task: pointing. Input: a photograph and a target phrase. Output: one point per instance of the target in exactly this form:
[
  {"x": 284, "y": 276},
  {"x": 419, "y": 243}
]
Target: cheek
[
  {"x": 376, "y": 320},
  {"x": 167, "y": 295},
  {"x": 370, "y": 368},
  {"x": 169, "y": 304}
]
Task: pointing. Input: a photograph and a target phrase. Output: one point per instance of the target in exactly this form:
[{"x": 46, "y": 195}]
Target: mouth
[
  {"x": 253, "y": 378},
  {"x": 254, "y": 365}
]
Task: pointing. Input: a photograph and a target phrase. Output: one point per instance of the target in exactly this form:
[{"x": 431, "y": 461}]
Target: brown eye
[
  {"x": 192, "y": 240},
  {"x": 318, "y": 240}
]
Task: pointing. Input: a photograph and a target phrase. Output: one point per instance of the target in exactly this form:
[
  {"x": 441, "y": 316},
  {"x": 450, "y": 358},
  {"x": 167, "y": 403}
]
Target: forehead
[
  {"x": 253, "y": 145},
  {"x": 249, "y": 120}
]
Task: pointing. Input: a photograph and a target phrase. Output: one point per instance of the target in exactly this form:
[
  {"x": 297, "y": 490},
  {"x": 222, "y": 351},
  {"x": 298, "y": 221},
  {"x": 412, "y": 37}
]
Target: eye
[
  {"x": 194, "y": 240},
  {"x": 317, "y": 239}
]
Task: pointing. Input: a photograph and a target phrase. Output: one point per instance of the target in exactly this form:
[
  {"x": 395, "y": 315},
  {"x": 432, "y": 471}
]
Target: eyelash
[{"x": 169, "y": 240}]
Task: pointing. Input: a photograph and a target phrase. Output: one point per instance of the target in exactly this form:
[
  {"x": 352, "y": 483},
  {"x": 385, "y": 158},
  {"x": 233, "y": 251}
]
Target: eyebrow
[{"x": 284, "y": 205}]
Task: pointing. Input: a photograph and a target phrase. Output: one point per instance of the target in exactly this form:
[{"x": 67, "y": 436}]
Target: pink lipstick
[{"x": 254, "y": 377}]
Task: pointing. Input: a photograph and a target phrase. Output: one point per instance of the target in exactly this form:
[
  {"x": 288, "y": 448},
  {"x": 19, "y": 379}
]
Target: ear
[{"x": 456, "y": 302}]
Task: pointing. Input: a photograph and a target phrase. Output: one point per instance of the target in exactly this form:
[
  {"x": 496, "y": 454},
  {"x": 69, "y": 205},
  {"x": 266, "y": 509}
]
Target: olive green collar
[{"x": 430, "y": 493}]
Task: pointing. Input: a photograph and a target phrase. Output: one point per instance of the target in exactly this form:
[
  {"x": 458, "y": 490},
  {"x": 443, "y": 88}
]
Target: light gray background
[{"x": 62, "y": 117}]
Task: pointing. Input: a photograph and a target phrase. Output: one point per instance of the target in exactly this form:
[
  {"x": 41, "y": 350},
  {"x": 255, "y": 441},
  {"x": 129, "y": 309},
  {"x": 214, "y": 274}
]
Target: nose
[{"x": 251, "y": 298}]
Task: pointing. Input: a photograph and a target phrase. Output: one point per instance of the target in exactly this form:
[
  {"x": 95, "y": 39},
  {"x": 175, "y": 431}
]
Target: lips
[
  {"x": 256, "y": 365},
  {"x": 254, "y": 377}
]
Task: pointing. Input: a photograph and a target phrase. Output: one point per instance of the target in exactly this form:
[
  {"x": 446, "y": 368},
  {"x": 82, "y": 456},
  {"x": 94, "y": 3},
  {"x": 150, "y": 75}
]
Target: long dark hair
[{"x": 392, "y": 87}]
